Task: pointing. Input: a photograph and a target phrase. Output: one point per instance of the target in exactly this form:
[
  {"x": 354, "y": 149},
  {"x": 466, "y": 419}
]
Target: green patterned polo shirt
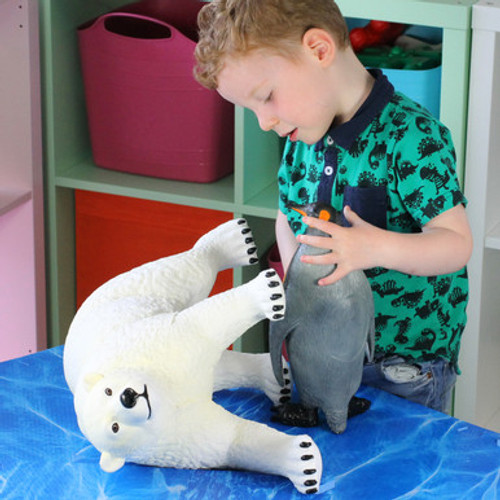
[{"x": 394, "y": 165}]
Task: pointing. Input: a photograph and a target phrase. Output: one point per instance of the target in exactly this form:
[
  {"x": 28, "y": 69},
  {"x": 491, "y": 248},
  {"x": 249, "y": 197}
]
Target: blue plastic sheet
[{"x": 396, "y": 450}]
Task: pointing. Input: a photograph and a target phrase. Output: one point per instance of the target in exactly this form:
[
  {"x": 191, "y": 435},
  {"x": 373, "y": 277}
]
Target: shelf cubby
[{"x": 252, "y": 190}]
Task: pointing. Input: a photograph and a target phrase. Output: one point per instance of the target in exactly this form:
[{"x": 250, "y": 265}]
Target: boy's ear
[{"x": 320, "y": 44}]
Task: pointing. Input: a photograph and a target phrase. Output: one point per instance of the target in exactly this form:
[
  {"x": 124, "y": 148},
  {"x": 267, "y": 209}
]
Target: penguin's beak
[
  {"x": 323, "y": 214},
  {"x": 299, "y": 210}
]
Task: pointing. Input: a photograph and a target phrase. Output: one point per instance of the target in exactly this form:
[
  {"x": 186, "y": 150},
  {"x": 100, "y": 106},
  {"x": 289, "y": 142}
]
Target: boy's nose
[{"x": 267, "y": 123}]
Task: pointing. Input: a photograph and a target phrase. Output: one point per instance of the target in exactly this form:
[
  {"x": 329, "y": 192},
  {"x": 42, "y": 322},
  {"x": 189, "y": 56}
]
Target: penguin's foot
[
  {"x": 295, "y": 415},
  {"x": 357, "y": 406}
]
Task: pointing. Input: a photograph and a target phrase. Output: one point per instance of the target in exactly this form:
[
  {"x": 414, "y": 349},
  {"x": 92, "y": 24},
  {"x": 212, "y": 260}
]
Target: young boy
[{"x": 370, "y": 152}]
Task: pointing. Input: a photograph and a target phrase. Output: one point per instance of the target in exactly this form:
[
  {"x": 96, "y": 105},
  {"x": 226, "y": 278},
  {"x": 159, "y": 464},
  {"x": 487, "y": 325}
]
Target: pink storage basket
[{"x": 147, "y": 114}]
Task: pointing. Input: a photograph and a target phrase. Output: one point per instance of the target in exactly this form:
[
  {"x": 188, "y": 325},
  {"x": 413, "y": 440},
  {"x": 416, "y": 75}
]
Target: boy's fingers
[
  {"x": 326, "y": 259},
  {"x": 352, "y": 217},
  {"x": 315, "y": 241},
  {"x": 337, "y": 275},
  {"x": 322, "y": 225}
]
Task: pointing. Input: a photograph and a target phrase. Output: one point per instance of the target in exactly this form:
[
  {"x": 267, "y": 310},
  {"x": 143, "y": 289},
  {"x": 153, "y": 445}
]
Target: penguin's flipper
[{"x": 370, "y": 343}]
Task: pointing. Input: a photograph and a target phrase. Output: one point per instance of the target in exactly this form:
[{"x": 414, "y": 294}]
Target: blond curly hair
[{"x": 236, "y": 27}]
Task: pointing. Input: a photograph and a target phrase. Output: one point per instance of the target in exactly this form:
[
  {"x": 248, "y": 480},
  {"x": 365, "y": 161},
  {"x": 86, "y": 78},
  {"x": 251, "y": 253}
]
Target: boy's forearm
[
  {"x": 287, "y": 244},
  {"x": 432, "y": 252}
]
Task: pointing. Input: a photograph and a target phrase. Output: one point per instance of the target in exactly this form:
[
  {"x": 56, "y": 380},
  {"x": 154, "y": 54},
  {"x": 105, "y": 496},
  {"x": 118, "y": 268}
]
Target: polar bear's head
[{"x": 115, "y": 412}]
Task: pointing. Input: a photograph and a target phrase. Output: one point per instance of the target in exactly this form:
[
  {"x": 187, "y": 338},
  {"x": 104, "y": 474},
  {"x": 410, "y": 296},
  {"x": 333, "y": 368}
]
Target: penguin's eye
[
  {"x": 115, "y": 427},
  {"x": 108, "y": 391}
]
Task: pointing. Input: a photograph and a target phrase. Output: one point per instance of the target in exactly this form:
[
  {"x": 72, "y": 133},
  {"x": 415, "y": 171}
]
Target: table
[{"x": 397, "y": 449}]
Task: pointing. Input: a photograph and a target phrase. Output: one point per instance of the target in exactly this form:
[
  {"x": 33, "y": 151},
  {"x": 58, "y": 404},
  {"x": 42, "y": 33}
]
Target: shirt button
[
  {"x": 328, "y": 170},
  {"x": 329, "y": 141}
]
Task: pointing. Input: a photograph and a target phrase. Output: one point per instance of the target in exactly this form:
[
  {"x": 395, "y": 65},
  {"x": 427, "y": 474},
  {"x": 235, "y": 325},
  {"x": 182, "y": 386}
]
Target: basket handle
[{"x": 162, "y": 31}]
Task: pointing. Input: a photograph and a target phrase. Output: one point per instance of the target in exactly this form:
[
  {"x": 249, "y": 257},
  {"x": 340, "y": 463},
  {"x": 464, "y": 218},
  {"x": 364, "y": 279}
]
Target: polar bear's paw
[
  {"x": 273, "y": 390},
  {"x": 271, "y": 294},
  {"x": 231, "y": 244},
  {"x": 304, "y": 464}
]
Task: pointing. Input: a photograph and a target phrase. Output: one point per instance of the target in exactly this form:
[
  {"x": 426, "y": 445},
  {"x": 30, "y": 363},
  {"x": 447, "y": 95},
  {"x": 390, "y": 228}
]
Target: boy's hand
[
  {"x": 351, "y": 248},
  {"x": 443, "y": 246}
]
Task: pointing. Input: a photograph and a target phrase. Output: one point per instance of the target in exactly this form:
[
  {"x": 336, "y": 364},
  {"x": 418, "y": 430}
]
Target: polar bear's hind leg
[{"x": 263, "y": 449}]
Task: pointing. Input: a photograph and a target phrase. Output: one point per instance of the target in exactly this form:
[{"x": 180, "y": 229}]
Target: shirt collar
[{"x": 346, "y": 133}]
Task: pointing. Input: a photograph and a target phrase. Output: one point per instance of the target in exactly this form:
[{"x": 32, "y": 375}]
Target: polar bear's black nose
[{"x": 129, "y": 397}]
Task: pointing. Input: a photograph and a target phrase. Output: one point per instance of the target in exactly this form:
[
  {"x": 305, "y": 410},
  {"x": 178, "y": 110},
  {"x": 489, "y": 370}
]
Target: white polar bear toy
[{"x": 147, "y": 349}]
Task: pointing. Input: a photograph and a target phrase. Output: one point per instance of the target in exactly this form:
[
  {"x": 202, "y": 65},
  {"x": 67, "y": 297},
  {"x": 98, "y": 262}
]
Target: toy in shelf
[
  {"x": 398, "y": 57},
  {"x": 147, "y": 349},
  {"x": 375, "y": 33}
]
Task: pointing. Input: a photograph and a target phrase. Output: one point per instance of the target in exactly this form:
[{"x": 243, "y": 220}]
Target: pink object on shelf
[
  {"x": 274, "y": 261},
  {"x": 147, "y": 114}
]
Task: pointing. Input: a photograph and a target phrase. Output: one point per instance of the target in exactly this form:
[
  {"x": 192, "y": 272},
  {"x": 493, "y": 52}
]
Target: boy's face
[{"x": 293, "y": 97}]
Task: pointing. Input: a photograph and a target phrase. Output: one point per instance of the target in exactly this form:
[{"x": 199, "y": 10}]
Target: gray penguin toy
[{"x": 328, "y": 331}]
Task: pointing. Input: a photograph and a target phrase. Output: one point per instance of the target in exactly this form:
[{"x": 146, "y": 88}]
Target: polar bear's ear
[
  {"x": 110, "y": 463},
  {"x": 91, "y": 379}
]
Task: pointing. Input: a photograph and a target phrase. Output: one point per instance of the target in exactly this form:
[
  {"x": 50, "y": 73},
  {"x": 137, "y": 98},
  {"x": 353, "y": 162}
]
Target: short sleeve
[{"x": 425, "y": 165}]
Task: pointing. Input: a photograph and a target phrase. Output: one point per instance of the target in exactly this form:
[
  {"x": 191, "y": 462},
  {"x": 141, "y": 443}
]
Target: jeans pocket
[{"x": 410, "y": 382}]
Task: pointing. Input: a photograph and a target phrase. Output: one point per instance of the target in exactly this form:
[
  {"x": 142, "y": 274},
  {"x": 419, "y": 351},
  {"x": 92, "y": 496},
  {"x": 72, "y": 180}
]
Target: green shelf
[
  {"x": 218, "y": 195},
  {"x": 251, "y": 191}
]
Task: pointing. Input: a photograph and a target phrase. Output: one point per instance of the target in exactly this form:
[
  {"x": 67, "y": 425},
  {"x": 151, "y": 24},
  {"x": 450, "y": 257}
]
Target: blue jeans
[{"x": 429, "y": 383}]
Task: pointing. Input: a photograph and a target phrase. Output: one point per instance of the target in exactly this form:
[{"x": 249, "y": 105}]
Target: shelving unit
[
  {"x": 477, "y": 395},
  {"x": 22, "y": 263},
  {"x": 252, "y": 190}
]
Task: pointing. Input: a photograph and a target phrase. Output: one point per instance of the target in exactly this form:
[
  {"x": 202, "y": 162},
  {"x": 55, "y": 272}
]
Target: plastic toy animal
[
  {"x": 147, "y": 349},
  {"x": 327, "y": 330}
]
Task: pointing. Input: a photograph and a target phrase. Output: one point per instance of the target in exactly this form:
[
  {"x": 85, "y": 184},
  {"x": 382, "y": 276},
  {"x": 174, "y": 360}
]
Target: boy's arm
[
  {"x": 287, "y": 243},
  {"x": 444, "y": 246}
]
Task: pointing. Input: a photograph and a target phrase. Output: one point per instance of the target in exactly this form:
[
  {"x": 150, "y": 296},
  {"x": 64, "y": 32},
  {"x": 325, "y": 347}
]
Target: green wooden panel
[
  {"x": 255, "y": 339},
  {"x": 455, "y": 89},
  {"x": 217, "y": 195},
  {"x": 436, "y": 13},
  {"x": 257, "y": 156}
]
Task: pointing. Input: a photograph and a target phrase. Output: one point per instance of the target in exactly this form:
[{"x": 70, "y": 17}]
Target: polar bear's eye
[
  {"x": 108, "y": 391},
  {"x": 115, "y": 427}
]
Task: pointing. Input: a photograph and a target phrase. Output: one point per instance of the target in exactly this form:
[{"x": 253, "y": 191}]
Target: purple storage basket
[{"x": 147, "y": 114}]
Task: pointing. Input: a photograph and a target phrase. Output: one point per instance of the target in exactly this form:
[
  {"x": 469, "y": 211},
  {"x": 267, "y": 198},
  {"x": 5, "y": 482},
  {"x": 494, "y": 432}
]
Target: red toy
[{"x": 375, "y": 33}]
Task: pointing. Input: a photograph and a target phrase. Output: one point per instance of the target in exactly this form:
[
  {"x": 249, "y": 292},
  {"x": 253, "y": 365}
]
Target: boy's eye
[{"x": 269, "y": 97}]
